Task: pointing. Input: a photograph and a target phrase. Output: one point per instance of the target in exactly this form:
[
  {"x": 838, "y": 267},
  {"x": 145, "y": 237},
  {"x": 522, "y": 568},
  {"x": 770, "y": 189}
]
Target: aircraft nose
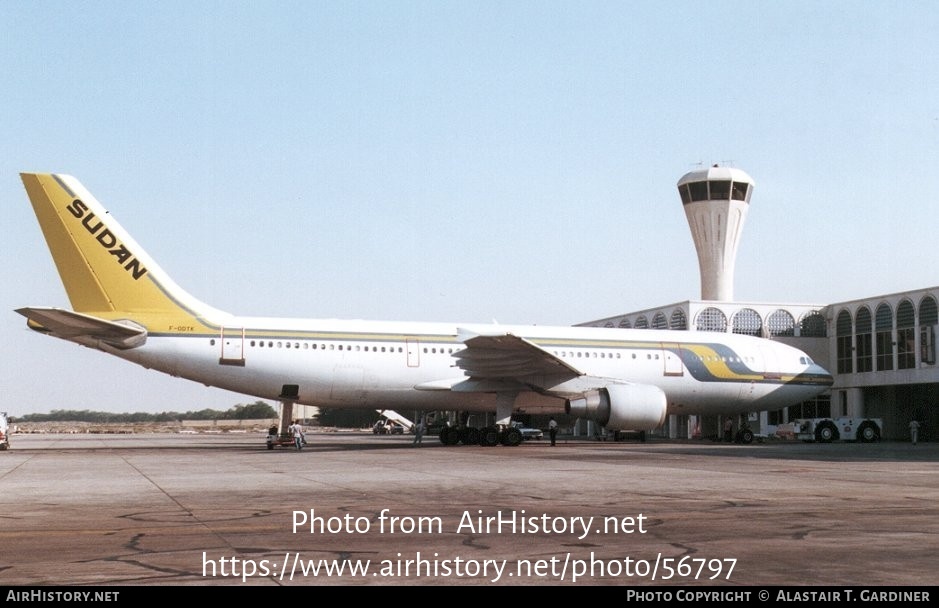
[{"x": 824, "y": 376}]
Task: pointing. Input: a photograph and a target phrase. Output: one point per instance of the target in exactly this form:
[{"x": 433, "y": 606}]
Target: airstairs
[{"x": 396, "y": 417}]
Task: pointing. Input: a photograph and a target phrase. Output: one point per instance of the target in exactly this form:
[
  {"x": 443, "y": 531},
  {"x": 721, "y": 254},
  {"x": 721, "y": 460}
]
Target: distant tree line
[
  {"x": 347, "y": 418},
  {"x": 251, "y": 411}
]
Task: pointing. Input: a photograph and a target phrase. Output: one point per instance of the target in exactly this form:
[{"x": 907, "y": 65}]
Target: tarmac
[{"x": 359, "y": 509}]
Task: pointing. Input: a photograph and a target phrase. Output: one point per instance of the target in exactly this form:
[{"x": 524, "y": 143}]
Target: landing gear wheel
[
  {"x": 489, "y": 436},
  {"x": 451, "y": 437},
  {"x": 511, "y": 437},
  {"x": 867, "y": 432},
  {"x": 445, "y": 435},
  {"x": 826, "y": 432},
  {"x": 745, "y": 436},
  {"x": 469, "y": 436}
]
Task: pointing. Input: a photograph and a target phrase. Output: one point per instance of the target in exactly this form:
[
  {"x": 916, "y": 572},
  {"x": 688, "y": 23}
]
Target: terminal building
[{"x": 881, "y": 349}]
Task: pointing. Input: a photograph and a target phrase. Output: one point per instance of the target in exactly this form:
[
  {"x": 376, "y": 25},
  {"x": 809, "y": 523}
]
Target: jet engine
[{"x": 622, "y": 407}]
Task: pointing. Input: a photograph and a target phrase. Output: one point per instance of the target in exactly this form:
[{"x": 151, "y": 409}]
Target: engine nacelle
[{"x": 622, "y": 407}]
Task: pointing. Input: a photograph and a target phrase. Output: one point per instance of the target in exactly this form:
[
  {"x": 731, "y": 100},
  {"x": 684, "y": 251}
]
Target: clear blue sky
[{"x": 459, "y": 161}]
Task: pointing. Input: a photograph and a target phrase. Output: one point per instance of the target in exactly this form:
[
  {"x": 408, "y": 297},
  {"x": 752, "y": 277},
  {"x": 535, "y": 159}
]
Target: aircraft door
[
  {"x": 233, "y": 346},
  {"x": 671, "y": 353},
  {"x": 414, "y": 352},
  {"x": 767, "y": 364}
]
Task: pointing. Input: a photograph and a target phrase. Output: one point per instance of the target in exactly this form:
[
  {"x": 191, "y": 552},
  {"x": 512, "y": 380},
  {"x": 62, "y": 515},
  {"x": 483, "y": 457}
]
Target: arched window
[
  {"x": 748, "y": 322},
  {"x": 843, "y": 333},
  {"x": 624, "y": 324},
  {"x": 678, "y": 320},
  {"x": 863, "y": 340},
  {"x": 659, "y": 321},
  {"x": 781, "y": 323},
  {"x": 906, "y": 336},
  {"x": 711, "y": 319},
  {"x": 928, "y": 318},
  {"x": 883, "y": 320},
  {"x": 642, "y": 322},
  {"x": 813, "y": 325}
]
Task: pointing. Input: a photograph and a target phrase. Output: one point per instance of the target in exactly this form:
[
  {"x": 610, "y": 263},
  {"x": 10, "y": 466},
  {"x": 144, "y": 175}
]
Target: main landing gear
[
  {"x": 486, "y": 436},
  {"x": 500, "y": 433}
]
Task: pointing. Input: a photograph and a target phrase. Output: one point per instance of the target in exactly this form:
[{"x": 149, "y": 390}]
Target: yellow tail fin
[{"x": 105, "y": 272}]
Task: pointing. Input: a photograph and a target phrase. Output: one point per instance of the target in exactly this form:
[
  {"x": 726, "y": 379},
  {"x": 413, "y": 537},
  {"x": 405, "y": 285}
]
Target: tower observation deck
[{"x": 716, "y": 201}]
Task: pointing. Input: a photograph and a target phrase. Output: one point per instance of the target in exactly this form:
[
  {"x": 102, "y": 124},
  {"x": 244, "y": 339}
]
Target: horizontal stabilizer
[{"x": 83, "y": 329}]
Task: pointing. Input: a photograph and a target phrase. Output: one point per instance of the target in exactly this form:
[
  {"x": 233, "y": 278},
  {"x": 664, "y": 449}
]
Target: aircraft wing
[
  {"x": 505, "y": 356},
  {"x": 505, "y": 362},
  {"x": 84, "y": 329}
]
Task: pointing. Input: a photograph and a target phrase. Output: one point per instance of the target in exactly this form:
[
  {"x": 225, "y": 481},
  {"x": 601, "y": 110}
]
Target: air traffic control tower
[{"x": 716, "y": 201}]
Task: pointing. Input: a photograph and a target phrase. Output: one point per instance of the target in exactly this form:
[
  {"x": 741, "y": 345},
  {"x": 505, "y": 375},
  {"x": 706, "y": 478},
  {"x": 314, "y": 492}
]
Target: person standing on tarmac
[
  {"x": 914, "y": 431},
  {"x": 418, "y": 432},
  {"x": 553, "y": 430},
  {"x": 297, "y": 432}
]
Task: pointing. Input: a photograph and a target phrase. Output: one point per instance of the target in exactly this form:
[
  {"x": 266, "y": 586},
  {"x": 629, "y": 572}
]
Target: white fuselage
[{"x": 372, "y": 364}]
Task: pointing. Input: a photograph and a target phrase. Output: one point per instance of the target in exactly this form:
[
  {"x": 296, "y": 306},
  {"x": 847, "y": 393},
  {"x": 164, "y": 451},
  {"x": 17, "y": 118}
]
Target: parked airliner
[{"x": 124, "y": 304}]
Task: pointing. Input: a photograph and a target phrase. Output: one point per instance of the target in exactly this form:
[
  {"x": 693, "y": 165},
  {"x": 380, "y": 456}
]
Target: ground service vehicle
[
  {"x": 528, "y": 432},
  {"x": 275, "y": 439},
  {"x": 4, "y": 431},
  {"x": 387, "y": 428},
  {"x": 826, "y": 430}
]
